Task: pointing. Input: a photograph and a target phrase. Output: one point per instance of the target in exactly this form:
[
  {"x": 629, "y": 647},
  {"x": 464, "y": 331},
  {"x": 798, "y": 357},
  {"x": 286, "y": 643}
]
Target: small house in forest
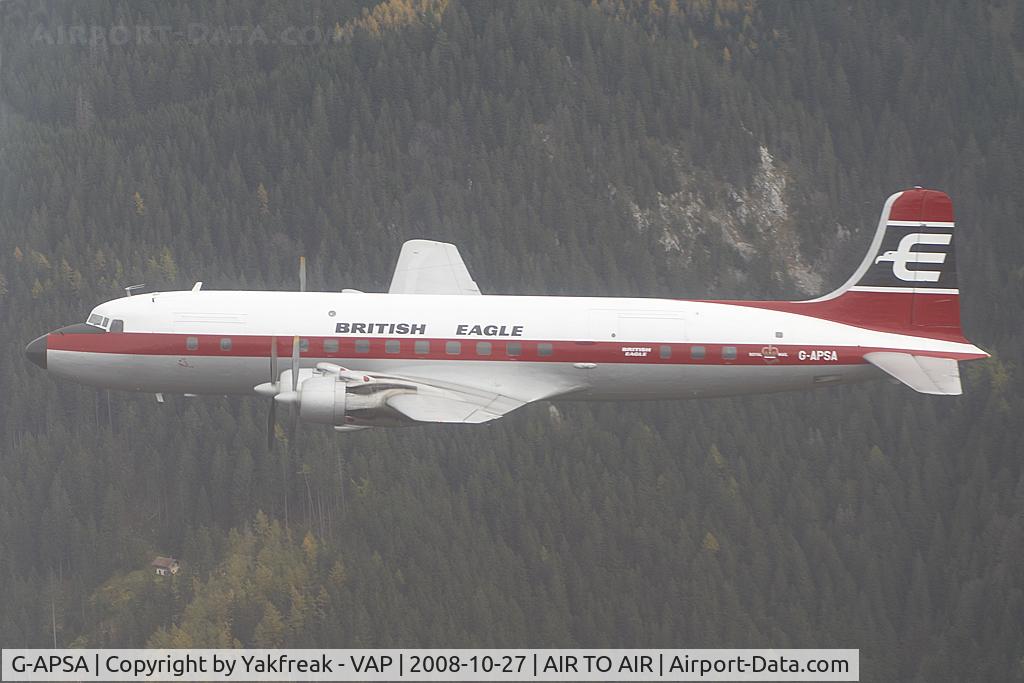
[{"x": 165, "y": 565}]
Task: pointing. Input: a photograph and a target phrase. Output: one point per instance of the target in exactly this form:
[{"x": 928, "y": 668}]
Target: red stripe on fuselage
[{"x": 250, "y": 346}]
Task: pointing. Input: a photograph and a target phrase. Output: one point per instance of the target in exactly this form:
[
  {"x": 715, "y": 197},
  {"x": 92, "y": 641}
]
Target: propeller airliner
[{"x": 433, "y": 349}]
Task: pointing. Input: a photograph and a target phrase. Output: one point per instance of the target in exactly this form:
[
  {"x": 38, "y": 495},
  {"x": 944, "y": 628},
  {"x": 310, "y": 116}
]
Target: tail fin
[{"x": 907, "y": 282}]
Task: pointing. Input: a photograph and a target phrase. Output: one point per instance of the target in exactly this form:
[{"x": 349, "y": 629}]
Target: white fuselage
[{"x": 217, "y": 342}]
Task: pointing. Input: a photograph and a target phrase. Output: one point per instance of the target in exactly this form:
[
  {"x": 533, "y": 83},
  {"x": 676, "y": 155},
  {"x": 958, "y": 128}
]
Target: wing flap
[
  {"x": 427, "y": 267},
  {"x": 423, "y": 408},
  {"x": 926, "y": 374}
]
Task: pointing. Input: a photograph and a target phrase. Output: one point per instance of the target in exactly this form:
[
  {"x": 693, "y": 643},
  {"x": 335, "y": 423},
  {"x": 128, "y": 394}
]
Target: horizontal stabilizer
[
  {"x": 926, "y": 374},
  {"x": 426, "y": 267}
]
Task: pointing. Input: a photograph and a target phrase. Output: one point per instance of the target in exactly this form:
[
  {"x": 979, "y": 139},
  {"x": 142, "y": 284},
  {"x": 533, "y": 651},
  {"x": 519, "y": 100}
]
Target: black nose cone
[{"x": 36, "y": 351}]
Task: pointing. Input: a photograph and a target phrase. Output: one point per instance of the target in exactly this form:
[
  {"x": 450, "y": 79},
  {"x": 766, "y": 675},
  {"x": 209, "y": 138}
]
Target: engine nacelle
[{"x": 322, "y": 400}]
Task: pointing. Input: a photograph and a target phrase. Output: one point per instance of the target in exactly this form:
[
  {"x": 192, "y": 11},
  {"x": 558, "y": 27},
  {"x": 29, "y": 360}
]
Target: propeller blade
[
  {"x": 274, "y": 375},
  {"x": 271, "y": 389},
  {"x": 293, "y": 415},
  {"x": 271, "y": 423},
  {"x": 292, "y": 397},
  {"x": 295, "y": 363},
  {"x": 293, "y": 421}
]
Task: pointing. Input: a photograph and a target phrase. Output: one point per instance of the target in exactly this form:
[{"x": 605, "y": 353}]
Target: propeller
[
  {"x": 275, "y": 378},
  {"x": 295, "y": 363},
  {"x": 293, "y": 415},
  {"x": 290, "y": 397},
  {"x": 272, "y": 389}
]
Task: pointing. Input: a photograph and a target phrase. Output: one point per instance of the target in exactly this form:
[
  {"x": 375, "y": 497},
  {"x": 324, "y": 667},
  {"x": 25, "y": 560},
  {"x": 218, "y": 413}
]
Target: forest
[{"x": 706, "y": 149}]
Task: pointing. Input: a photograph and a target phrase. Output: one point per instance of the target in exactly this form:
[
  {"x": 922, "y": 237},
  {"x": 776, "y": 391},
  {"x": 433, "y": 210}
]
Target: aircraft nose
[{"x": 36, "y": 351}]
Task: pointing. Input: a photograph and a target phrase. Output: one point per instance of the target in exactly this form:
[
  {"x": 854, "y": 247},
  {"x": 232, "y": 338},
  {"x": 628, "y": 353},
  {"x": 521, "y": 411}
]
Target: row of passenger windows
[
  {"x": 698, "y": 352},
  {"x": 454, "y": 348},
  {"x": 420, "y": 346}
]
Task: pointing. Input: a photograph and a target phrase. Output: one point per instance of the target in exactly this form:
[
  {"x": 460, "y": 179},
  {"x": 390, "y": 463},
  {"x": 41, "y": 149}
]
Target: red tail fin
[{"x": 907, "y": 282}]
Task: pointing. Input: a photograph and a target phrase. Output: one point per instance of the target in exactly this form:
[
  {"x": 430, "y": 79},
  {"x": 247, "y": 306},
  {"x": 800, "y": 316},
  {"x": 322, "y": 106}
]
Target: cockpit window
[
  {"x": 117, "y": 325},
  {"x": 95, "y": 319}
]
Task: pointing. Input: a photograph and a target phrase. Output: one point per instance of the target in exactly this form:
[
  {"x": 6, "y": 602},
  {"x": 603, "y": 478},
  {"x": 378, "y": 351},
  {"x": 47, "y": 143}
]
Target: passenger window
[
  {"x": 225, "y": 343},
  {"x": 117, "y": 326},
  {"x": 483, "y": 348},
  {"x": 665, "y": 351},
  {"x": 303, "y": 345},
  {"x": 422, "y": 347},
  {"x": 362, "y": 345},
  {"x": 192, "y": 343},
  {"x": 453, "y": 348},
  {"x": 514, "y": 348},
  {"x": 697, "y": 352},
  {"x": 728, "y": 353},
  {"x": 392, "y": 346},
  {"x": 544, "y": 349},
  {"x": 330, "y": 345}
]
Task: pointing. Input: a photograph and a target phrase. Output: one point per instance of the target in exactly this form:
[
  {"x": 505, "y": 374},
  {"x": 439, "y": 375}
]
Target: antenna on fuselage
[
  {"x": 302, "y": 273},
  {"x": 130, "y": 289}
]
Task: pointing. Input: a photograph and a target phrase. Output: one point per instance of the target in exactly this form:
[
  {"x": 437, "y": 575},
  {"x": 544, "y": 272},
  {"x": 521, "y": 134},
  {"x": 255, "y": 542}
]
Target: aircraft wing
[
  {"x": 455, "y": 400},
  {"x": 426, "y": 267},
  {"x": 452, "y": 406},
  {"x": 926, "y": 374}
]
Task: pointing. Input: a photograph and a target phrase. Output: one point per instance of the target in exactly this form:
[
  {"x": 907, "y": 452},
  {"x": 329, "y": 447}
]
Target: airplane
[{"x": 433, "y": 349}]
